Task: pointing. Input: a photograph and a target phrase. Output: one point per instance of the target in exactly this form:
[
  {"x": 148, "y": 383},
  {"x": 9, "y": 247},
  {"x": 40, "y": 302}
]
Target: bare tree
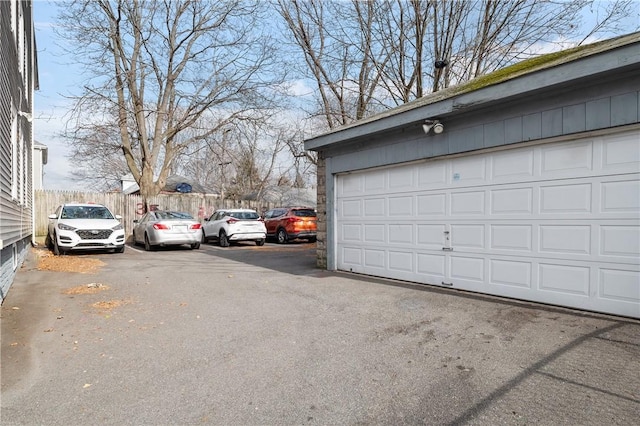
[
  {"x": 383, "y": 53},
  {"x": 158, "y": 68}
]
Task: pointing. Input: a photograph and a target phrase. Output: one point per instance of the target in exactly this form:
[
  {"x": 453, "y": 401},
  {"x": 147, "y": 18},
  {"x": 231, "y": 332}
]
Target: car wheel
[
  {"x": 147, "y": 244},
  {"x": 312, "y": 240},
  {"x": 224, "y": 240},
  {"x": 47, "y": 242},
  {"x": 260, "y": 242},
  {"x": 204, "y": 238},
  {"x": 120, "y": 249},
  {"x": 195, "y": 246},
  {"x": 56, "y": 247},
  {"x": 282, "y": 236}
]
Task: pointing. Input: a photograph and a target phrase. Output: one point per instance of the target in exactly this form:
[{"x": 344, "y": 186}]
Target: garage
[
  {"x": 523, "y": 184},
  {"x": 545, "y": 223}
]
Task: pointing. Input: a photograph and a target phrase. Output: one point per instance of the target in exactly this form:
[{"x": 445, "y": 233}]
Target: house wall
[
  {"x": 602, "y": 102},
  {"x": 17, "y": 83}
]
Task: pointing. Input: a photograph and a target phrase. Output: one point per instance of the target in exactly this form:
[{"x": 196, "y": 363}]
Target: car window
[
  {"x": 268, "y": 214},
  {"x": 176, "y": 215},
  {"x": 304, "y": 213}
]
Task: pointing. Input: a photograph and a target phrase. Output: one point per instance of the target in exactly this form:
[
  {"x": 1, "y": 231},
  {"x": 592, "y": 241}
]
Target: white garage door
[{"x": 556, "y": 223}]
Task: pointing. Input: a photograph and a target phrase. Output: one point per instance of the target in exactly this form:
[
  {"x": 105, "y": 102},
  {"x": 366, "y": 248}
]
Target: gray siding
[
  {"x": 16, "y": 88},
  {"x": 498, "y": 126}
]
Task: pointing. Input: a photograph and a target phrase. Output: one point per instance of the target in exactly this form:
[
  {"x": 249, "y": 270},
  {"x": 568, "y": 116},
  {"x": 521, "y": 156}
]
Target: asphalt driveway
[{"x": 258, "y": 336}]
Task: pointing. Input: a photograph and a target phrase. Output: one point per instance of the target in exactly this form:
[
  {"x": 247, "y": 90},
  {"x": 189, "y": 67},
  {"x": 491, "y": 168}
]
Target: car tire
[
  {"x": 147, "y": 244},
  {"x": 312, "y": 239},
  {"x": 120, "y": 249},
  {"x": 56, "y": 247},
  {"x": 204, "y": 238},
  {"x": 281, "y": 236},
  {"x": 260, "y": 242},
  {"x": 223, "y": 239},
  {"x": 195, "y": 246},
  {"x": 47, "y": 242}
]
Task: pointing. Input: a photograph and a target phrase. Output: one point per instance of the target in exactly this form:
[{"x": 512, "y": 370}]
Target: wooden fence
[{"x": 130, "y": 207}]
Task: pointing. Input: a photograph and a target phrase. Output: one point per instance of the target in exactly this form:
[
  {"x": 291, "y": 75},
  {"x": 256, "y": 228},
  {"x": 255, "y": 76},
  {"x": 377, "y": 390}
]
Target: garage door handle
[
  {"x": 447, "y": 248},
  {"x": 447, "y": 284}
]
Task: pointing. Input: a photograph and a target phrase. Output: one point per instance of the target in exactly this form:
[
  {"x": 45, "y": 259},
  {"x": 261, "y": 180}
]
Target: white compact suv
[
  {"x": 84, "y": 226},
  {"x": 229, "y": 225}
]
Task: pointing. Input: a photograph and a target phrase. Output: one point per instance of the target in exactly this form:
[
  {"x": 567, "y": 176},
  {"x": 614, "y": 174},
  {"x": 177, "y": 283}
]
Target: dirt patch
[
  {"x": 91, "y": 288},
  {"x": 108, "y": 305},
  {"x": 47, "y": 261}
]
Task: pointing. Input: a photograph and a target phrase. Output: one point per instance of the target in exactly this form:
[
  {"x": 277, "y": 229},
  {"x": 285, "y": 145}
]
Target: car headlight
[
  {"x": 64, "y": 227},
  {"x": 117, "y": 227}
]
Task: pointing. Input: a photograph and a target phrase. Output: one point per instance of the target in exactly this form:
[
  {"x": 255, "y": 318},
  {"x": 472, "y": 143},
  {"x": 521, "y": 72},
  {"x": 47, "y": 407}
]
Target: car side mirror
[
  {"x": 53, "y": 216},
  {"x": 118, "y": 217}
]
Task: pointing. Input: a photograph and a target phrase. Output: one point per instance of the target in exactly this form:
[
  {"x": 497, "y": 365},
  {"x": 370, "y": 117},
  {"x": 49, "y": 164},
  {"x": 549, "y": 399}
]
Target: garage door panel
[
  {"x": 467, "y": 236},
  {"x": 467, "y": 268},
  {"x": 621, "y": 154},
  {"x": 432, "y": 266},
  {"x": 374, "y": 259},
  {"x": 565, "y": 199},
  {"x": 567, "y": 159},
  {"x": 431, "y": 236},
  {"x": 565, "y": 239},
  {"x": 564, "y": 278},
  {"x": 510, "y": 165},
  {"x": 620, "y": 241},
  {"x": 556, "y": 223},
  {"x": 510, "y": 273},
  {"x": 400, "y": 260},
  {"x": 432, "y": 174},
  {"x": 401, "y": 234},
  {"x": 622, "y": 285},
  {"x": 621, "y": 196},
  {"x": 351, "y": 185},
  {"x": 401, "y": 206},
  {"x": 350, "y": 208},
  {"x": 511, "y": 237},
  {"x": 467, "y": 203},
  {"x": 517, "y": 201},
  {"x": 375, "y": 207},
  {"x": 375, "y": 233},
  {"x": 375, "y": 182},
  {"x": 467, "y": 170},
  {"x": 401, "y": 178},
  {"x": 432, "y": 204},
  {"x": 352, "y": 258}
]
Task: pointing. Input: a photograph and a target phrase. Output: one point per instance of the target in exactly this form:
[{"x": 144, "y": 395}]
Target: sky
[{"x": 58, "y": 77}]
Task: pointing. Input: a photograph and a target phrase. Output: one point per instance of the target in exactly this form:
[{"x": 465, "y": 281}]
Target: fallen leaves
[
  {"x": 91, "y": 288},
  {"x": 47, "y": 261}
]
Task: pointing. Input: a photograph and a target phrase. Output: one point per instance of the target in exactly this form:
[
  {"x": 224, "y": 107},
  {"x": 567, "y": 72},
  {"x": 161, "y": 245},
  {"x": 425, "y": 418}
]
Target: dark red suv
[{"x": 289, "y": 223}]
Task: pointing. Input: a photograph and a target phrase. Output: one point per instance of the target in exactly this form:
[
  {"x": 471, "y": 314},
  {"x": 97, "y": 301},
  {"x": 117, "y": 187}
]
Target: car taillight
[
  {"x": 293, "y": 219},
  {"x": 232, "y": 220},
  {"x": 195, "y": 226},
  {"x": 160, "y": 226}
]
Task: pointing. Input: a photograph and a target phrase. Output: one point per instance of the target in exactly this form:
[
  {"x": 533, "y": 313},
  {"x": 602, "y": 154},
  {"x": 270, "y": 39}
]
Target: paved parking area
[{"x": 258, "y": 336}]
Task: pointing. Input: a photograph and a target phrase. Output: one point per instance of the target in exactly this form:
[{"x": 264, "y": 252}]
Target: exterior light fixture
[{"x": 434, "y": 125}]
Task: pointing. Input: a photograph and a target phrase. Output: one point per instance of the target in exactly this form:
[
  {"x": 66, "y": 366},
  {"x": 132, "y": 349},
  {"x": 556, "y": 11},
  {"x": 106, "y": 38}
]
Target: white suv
[
  {"x": 84, "y": 226},
  {"x": 234, "y": 225}
]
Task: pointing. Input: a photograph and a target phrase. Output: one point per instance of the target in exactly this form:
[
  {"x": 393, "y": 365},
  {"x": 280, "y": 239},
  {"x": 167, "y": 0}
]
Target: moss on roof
[{"x": 519, "y": 69}]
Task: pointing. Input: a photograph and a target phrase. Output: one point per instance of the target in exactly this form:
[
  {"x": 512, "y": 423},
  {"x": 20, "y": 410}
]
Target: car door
[
  {"x": 268, "y": 222},
  {"x": 212, "y": 225},
  {"x": 138, "y": 229}
]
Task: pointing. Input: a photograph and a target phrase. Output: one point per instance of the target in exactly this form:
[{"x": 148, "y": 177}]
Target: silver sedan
[{"x": 162, "y": 228}]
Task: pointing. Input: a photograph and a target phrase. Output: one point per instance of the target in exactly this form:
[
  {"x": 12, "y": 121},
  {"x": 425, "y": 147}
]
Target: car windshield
[
  {"x": 173, "y": 215},
  {"x": 244, "y": 215},
  {"x": 304, "y": 213},
  {"x": 85, "y": 212}
]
